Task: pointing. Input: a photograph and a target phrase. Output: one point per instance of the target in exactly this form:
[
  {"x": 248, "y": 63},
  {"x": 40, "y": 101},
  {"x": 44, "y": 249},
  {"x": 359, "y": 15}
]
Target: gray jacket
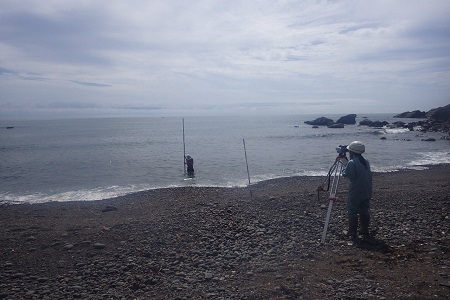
[{"x": 360, "y": 179}]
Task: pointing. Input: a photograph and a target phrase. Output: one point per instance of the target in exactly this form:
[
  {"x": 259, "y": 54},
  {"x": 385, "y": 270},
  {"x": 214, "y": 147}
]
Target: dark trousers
[{"x": 190, "y": 169}]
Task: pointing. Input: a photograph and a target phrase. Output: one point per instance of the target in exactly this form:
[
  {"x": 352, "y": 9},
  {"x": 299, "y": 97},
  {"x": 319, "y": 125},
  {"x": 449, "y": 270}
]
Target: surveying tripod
[{"x": 332, "y": 181}]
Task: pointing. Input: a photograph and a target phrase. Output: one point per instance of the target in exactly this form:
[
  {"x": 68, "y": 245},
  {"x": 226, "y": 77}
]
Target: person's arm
[
  {"x": 349, "y": 172},
  {"x": 370, "y": 180}
]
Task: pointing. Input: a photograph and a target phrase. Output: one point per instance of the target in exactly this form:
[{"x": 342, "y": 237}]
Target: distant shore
[{"x": 258, "y": 242}]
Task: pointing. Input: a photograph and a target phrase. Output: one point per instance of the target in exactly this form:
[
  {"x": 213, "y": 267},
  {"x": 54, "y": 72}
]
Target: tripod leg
[
  {"x": 334, "y": 187},
  {"x": 327, "y": 221}
]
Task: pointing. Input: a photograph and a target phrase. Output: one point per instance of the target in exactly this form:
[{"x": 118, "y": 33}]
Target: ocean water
[{"x": 92, "y": 159}]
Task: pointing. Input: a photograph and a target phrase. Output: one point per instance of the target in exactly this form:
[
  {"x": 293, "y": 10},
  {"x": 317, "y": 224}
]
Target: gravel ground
[{"x": 260, "y": 242}]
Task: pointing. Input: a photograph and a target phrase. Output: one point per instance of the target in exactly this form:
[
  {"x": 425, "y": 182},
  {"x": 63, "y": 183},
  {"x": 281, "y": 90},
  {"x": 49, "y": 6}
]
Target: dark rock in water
[
  {"x": 411, "y": 114},
  {"x": 315, "y": 126},
  {"x": 365, "y": 122},
  {"x": 322, "y": 121},
  {"x": 348, "y": 119},
  {"x": 383, "y": 138},
  {"x": 379, "y": 124},
  {"x": 370, "y": 123},
  {"x": 429, "y": 140}
]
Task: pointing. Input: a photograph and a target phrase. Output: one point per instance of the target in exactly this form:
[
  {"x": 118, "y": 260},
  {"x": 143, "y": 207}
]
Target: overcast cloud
[{"x": 109, "y": 58}]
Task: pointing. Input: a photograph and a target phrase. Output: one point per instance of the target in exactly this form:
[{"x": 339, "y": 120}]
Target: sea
[{"x": 94, "y": 159}]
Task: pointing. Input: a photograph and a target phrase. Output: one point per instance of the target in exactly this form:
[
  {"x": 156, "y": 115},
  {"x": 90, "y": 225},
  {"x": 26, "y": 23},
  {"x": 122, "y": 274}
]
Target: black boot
[{"x": 352, "y": 226}]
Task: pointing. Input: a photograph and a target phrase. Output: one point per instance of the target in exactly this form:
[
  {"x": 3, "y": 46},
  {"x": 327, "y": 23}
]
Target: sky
[{"x": 83, "y": 58}]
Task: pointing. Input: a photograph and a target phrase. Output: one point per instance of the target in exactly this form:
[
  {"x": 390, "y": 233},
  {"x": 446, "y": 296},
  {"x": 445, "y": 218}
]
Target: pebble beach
[{"x": 258, "y": 242}]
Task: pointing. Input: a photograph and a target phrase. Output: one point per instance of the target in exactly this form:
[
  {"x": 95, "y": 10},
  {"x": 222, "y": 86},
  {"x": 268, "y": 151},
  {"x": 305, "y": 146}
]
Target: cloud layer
[{"x": 91, "y": 58}]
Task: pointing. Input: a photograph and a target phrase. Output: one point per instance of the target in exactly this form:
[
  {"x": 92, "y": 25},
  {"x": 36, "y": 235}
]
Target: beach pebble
[
  {"x": 99, "y": 246},
  {"x": 68, "y": 246}
]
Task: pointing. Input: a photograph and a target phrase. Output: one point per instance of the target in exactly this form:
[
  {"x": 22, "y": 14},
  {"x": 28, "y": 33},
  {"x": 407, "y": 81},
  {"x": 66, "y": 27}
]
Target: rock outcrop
[
  {"x": 437, "y": 120},
  {"x": 348, "y": 119},
  {"x": 322, "y": 121},
  {"x": 416, "y": 114},
  {"x": 440, "y": 114},
  {"x": 370, "y": 123}
]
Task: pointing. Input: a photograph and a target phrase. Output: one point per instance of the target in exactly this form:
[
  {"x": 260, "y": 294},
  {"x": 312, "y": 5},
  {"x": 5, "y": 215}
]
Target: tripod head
[
  {"x": 339, "y": 164},
  {"x": 342, "y": 151}
]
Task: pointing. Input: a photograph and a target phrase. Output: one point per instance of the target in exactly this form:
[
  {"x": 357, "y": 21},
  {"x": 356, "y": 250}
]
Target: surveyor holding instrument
[{"x": 359, "y": 191}]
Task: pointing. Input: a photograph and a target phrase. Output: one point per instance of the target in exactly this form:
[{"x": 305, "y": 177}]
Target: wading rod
[
  {"x": 246, "y": 161},
  {"x": 184, "y": 151}
]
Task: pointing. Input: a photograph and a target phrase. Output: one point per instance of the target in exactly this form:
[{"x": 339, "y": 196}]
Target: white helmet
[{"x": 356, "y": 147}]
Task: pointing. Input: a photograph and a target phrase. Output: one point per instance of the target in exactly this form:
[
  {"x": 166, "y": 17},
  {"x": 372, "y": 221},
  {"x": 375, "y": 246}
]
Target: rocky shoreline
[
  {"x": 435, "y": 120},
  {"x": 260, "y": 242}
]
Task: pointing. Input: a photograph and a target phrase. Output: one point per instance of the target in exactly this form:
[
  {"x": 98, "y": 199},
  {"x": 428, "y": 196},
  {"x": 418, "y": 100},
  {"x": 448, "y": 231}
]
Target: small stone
[
  {"x": 109, "y": 208},
  {"x": 68, "y": 246},
  {"x": 99, "y": 246}
]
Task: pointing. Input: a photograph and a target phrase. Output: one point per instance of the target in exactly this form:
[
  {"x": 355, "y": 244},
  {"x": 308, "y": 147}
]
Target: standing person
[
  {"x": 359, "y": 191},
  {"x": 190, "y": 164}
]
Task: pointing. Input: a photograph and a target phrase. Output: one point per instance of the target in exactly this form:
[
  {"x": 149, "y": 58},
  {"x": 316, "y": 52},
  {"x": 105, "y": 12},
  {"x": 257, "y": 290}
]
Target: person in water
[
  {"x": 359, "y": 191},
  {"x": 189, "y": 161}
]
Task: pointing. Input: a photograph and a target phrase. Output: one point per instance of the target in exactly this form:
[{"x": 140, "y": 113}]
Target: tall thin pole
[
  {"x": 246, "y": 161},
  {"x": 248, "y": 173},
  {"x": 184, "y": 150}
]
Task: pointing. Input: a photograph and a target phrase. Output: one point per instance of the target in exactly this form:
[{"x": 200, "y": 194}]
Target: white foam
[
  {"x": 391, "y": 169},
  {"x": 396, "y": 130},
  {"x": 312, "y": 173},
  {"x": 385, "y": 169},
  {"x": 80, "y": 195},
  {"x": 431, "y": 158}
]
